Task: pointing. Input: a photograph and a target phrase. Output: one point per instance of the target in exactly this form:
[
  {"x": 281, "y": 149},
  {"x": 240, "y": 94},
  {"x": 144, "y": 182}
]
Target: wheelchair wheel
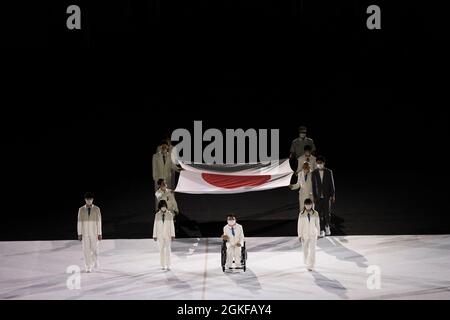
[
  {"x": 244, "y": 258},
  {"x": 223, "y": 255}
]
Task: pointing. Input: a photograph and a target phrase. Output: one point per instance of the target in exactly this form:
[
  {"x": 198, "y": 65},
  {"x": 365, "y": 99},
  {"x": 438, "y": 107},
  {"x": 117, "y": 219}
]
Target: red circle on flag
[{"x": 232, "y": 182}]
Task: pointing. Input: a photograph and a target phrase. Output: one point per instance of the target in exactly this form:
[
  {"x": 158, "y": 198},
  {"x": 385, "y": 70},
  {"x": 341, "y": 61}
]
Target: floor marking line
[{"x": 205, "y": 270}]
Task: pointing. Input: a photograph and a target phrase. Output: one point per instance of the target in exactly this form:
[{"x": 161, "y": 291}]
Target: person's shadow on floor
[
  {"x": 332, "y": 286},
  {"x": 334, "y": 247},
  {"x": 247, "y": 280}
]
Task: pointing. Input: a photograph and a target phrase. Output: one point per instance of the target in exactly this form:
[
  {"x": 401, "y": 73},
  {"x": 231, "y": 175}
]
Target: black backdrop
[{"x": 75, "y": 120}]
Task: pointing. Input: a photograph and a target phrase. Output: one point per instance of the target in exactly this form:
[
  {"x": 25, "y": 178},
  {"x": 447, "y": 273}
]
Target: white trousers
[
  {"x": 309, "y": 251},
  {"x": 90, "y": 250},
  {"x": 164, "y": 251},
  {"x": 233, "y": 253}
]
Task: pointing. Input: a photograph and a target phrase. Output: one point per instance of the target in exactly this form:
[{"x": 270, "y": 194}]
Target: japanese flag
[{"x": 233, "y": 178}]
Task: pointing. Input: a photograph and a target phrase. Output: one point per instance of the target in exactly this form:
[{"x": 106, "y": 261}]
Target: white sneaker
[
  {"x": 163, "y": 268},
  {"x": 310, "y": 268},
  {"x": 322, "y": 234},
  {"x": 327, "y": 231},
  {"x": 168, "y": 268},
  {"x": 88, "y": 270}
]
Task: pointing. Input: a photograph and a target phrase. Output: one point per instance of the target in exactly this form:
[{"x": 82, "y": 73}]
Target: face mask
[
  {"x": 163, "y": 209},
  {"x": 302, "y": 135},
  {"x": 320, "y": 166},
  {"x": 308, "y": 207},
  {"x": 231, "y": 222}
]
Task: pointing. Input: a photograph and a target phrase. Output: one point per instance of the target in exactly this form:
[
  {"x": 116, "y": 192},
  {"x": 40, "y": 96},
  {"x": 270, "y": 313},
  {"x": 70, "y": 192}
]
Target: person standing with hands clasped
[
  {"x": 168, "y": 195},
  {"x": 89, "y": 229},
  {"x": 164, "y": 233},
  {"x": 304, "y": 184},
  {"x": 308, "y": 231}
]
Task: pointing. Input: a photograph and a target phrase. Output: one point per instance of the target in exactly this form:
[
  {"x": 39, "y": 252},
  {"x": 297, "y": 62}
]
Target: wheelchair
[{"x": 224, "y": 256}]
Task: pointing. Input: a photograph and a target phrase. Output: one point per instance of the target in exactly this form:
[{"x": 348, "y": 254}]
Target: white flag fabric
[{"x": 233, "y": 178}]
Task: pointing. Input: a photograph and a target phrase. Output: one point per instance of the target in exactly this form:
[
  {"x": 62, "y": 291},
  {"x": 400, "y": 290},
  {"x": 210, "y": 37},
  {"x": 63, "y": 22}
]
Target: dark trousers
[
  {"x": 293, "y": 162},
  {"x": 323, "y": 206}
]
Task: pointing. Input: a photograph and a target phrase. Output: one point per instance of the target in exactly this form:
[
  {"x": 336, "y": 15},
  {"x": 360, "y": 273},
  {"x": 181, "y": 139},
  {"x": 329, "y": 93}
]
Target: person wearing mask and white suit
[
  {"x": 174, "y": 157},
  {"x": 304, "y": 183},
  {"x": 89, "y": 228},
  {"x": 233, "y": 234},
  {"x": 166, "y": 194},
  {"x": 164, "y": 233},
  {"x": 308, "y": 231}
]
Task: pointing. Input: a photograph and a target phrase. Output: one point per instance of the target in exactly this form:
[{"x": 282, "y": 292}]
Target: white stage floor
[{"x": 411, "y": 267}]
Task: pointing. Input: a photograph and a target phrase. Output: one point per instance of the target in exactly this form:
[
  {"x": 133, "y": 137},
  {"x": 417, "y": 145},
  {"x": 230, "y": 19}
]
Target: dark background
[{"x": 86, "y": 113}]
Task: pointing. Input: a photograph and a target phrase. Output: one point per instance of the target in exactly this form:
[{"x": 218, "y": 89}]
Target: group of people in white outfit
[
  {"x": 316, "y": 191},
  {"x": 89, "y": 229},
  {"x": 90, "y": 233},
  {"x": 316, "y": 194},
  {"x": 164, "y": 168},
  {"x": 164, "y": 234}
]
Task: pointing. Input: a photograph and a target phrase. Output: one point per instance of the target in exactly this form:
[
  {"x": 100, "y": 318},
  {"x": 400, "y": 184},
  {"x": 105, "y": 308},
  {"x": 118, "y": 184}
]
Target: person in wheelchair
[{"x": 233, "y": 234}]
